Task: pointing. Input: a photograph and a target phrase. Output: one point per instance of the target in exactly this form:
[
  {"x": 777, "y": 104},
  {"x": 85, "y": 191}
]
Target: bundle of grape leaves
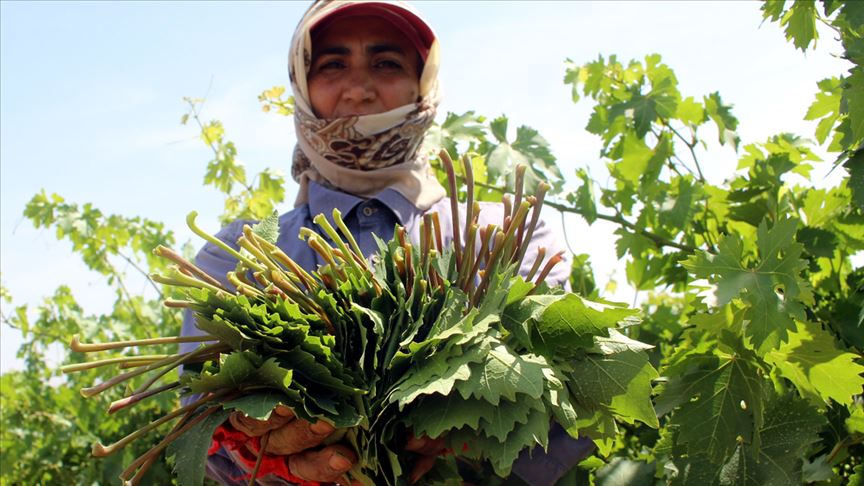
[{"x": 422, "y": 338}]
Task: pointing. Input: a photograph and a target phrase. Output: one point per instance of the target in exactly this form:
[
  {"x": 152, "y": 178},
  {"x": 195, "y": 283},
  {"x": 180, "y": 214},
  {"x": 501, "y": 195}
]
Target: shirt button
[{"x": 369, "y": 211}]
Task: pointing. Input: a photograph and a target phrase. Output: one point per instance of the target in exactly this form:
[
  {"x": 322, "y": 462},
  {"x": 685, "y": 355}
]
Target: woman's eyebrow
[
  {"x": 338, "y": 50},
  {"x": 373, "y": 49},
  {"x": 379, "y": 48}
]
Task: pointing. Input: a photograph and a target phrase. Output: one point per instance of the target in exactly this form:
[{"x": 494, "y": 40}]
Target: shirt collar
[
  {"x": 322, "y": 200},
  {"x": 403, "y": 209}
]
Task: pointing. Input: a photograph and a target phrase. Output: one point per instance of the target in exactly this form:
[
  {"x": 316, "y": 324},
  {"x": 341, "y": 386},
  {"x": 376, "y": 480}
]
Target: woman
[{"x": 364, "y": 76}]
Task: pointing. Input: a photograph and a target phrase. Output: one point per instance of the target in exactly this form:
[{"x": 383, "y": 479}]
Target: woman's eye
[
  {"x": 388, "y": 64},
  {"x": 330, "y": 65}
]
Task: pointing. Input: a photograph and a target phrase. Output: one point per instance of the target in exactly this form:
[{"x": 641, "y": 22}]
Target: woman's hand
[
  {"x": 428, "y": 451},
  {"x": 294, "y": 437}
]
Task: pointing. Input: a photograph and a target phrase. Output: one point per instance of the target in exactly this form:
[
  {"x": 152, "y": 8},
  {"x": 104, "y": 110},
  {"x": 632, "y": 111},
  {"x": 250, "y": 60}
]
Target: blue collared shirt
[{"x": 379, "y": 215}]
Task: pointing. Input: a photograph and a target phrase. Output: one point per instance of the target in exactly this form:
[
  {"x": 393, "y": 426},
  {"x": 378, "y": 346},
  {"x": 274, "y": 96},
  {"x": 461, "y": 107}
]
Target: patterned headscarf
[{"x": 362, "y": 155}]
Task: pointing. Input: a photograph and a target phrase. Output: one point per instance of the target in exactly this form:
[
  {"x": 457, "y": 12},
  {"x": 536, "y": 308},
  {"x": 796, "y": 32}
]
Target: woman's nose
[{"x": 359, "y": 87}]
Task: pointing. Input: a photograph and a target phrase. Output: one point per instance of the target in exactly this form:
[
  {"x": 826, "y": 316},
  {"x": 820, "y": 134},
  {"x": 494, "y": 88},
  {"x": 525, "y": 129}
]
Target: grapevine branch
[
  {"x": 675, "y": 156},
  {"x": 125, "y": 292},
  {"x": 48, "y": 335},
  {"x": 564, "y": 230},
  {"x": 194, "y": 111},
  {"x": 617, "y": 219},
  {"x": 141, "y": 271},
  {"x": 691, "y": 145}
]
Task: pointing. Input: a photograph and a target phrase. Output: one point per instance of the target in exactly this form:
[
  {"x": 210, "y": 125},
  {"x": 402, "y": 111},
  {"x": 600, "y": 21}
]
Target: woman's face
[{"x": 361, "y": 66}]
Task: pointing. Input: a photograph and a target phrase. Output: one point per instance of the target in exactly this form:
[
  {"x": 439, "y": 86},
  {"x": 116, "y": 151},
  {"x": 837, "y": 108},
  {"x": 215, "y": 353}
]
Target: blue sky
[{"x": 91, "y": 98}]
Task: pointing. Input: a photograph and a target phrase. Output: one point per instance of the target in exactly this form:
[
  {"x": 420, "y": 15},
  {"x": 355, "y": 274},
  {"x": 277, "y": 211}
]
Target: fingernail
[
  {"x": 321, "y": 427},
  {"x": 338, "y": 462}
]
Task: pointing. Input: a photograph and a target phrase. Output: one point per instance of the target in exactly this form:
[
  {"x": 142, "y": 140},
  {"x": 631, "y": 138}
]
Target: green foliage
[
  {"x": 820, "y": 371},
  {"x": 256, "y": 198},
  {"x": 773, "y": 292},
  {"x": 50, "y": 418},
  {"x": 840, "y": 102},
  {"x": 275, "y": 99},
  {"x": 494, "y": 155}
]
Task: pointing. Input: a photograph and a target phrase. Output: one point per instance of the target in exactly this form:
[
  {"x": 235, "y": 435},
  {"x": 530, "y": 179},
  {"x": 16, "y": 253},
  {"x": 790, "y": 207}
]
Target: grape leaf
[
  {"x": 855, "y": 167},
  {"x": 306, "y": 366},
  {"x": 778, "y": 271},
  {"x": 633, "y": 155},
  {"x": 854, "y": 97},
  {"x": 791, "y": 426},
  {"x": 624, "y": 472},
  {"x": 800, "y": 24},
  {"x": 257, "y": 405},
  {"x": 190, "y": 449},
  {"x": 818, "y": 369},
  {"x": 234, "y": 370},
  {"x": 566, "y": 323},
  {"x": 694, "y": 470},
  {"x": 451, "y": 413},
  {"x": 454, "y": 413},
  {"x": 534, "y": 431},
  {"x": 530, "y": 149},
  {"x": 502, "y": 454},
  {"x": 855, "y": 422},
  {"x": 618, "y": 342},
  {"x": 439, "y": 374},
  {"x": 466, "y": 127},
  {"x": 226, "y": 331},
  {"x": 720, "y": 399},
  {"x": 857, "y": 476},
  {"x": 722, "y": 116},
  {"x": 504, "y": 417},
  {"x": 268, "y": 228},
  {"x": 621, "y": 382},
  {"x": 504, "y": 374},
  {"x": 690, "y": 111},
  {"x": 826, "y": 106}
]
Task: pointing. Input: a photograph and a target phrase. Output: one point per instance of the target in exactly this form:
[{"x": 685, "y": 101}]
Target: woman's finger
[
  {"x": 424, "y": 445},
  {"x": 254, "y": 427},
  {"x": 326, "y": 465},
  {"x": 298, "y": 435}
]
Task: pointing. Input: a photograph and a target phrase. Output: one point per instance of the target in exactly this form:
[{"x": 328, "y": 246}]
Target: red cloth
[{"x": 247, "y": 449}]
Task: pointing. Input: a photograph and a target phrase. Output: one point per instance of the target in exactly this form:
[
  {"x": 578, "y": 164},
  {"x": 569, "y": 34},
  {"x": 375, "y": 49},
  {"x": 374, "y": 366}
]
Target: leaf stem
[
  {"x": 347, "y": 253},
  {"x": 264, "y": 440},
  {"x": 454, "y": 206},
  {"x": 179, "y": 360},
  {"x": 541, "y": 254},
  {"x": 79, "y": 347},
  {"x": 556, "y": 259},
  {"x": 110, "y": 361},
  {"x": 137, "y": 467},
  {"x": 468, "y": 169},
  {"x": 122, "y": 403},
  {"x": 535, "y": 219},
  {"x": 190, "y": 221},
  {"x": 482, "y": 255},
  {"x": 175, "y": 257},
  {"x": 101, "y": 451}
]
